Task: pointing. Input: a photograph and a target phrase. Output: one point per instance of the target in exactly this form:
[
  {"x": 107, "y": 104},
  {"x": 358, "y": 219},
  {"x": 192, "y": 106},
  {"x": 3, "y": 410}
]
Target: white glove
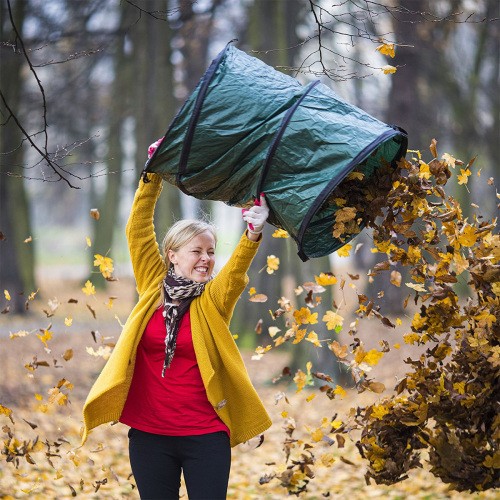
[{"x": 256, "y": 216}]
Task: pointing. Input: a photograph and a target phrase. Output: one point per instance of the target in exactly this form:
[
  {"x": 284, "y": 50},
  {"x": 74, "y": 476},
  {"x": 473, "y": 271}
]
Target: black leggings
[{"x": 157, "y": 462}]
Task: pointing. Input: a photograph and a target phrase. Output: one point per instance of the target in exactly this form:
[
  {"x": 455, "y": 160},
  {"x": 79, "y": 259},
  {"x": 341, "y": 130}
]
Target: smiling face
[{"x": 196, "y": 259}]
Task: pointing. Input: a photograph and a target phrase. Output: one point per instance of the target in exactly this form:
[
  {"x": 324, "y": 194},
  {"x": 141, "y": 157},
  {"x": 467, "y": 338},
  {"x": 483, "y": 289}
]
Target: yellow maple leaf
[
  {"x": 425, "y": 172},
  {"x": 463, "y": 177},
  {"x": 345, "y": 214},
  {"x": 273, "y": 264},
  {"x": 353, "y": 176},
  {"x": 317, "y": 435},
  {"x": 303, "y": 316},
  {"x": 45, "y": 336},
  {"x": 5, "y": 411},
  {"x": 105, "y": 265},
  {"x": 299, "y": 335},
  {"x": 300, "y": 380},
  {"x": 449, "y": 160},
  {"x": 89, "y": 288},
  {"x": 325, "y": 279},
  {"x": 88, "y": 241},
  {"x": 411, "y": 338},
  {"x": 327, "y": 459},
  {"x": 313, "y": 338},
  {"x": 387, "y": 49},
  {"x": 467, "y": 236},
  {"x": 340, "y": 391},
  {"x": 7, "y": 294},
  {"x": 333, "y": 320},
  {"x": 344, "y": 251},
  {"x": 378, "y": 411},
  {"x": 461, "y": 263},
  {"x": 414, "y": 254},
  {"x": 310, "y": 398},
  {"x": 280, "y": 233},
  {"x": 68, "y": 321},
  {"x": 372, "y": 357},
  {"x": 388, "y": 69},
  {"x": 252, "y": 291}
]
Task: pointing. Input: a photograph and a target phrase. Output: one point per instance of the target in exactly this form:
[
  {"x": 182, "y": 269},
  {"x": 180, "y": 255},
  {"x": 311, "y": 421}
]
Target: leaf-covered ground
[{"x": 49, "y": 360}]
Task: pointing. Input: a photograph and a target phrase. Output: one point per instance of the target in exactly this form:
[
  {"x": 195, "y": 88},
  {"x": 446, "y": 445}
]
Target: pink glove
[
  {"x": 154, "y": 147},
  {"x": 256, "y": 216}
]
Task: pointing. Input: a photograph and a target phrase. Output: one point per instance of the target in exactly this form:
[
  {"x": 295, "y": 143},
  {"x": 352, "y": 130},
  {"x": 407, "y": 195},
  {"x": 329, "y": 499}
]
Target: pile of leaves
[{"x": 448, "y": 402}]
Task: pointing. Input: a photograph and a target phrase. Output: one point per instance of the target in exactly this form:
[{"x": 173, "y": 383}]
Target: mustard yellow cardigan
[{"x": 224, "y": 375}]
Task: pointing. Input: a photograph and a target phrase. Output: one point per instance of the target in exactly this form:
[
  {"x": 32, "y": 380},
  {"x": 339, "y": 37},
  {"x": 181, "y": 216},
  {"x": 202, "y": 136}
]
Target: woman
[{"x": 176, "y": 376}]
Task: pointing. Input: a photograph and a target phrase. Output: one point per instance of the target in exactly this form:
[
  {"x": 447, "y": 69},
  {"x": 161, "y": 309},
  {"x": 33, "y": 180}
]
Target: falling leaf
[
  {"x": 325, "y": 279},
  {"x": 338, "y": 350},
  {"x": 387, "y": 49},
  {"x": 313, "y": 338},
  {"x": 433, "y": 148},
  {"x": 92, "y": 311},
  {"x": 416, "y": 286},
  {"x": 258, "y": 297},
  {"x": 68, "y": 321},
  {"x": 94, "y": 213},
  {"x": 449, "y": 160},
  {"x": 273, "y": 330},
  {"x": 388, "y": 69},
  {"x": 355, "y": 176},
  {"x": 29, "y": 239},
  {"x": 89, "y": 288},
  {"x": 273, "y": 263},
  {"x": 45, "y": 336},
  {"x": 340, "y": 391},
  {"x": 105, "y": 265},
  {"x": 396, "y": 278},
  {"x": 280, "y": 233},
  {"x": 463, "y": 177},
  {"x": 7, "y": 294},
  {"x": 378, "y": 411},
  {"x": 333, "y": 320},
  {"x": 68, "y": 354},
  {"x": 304, "y": 316},
  {"x": 102, "y": 351},
  {"x": 258, "y": 327},
  {"x": 252, "y": 291},
  {"x": 344, "y": 251}
]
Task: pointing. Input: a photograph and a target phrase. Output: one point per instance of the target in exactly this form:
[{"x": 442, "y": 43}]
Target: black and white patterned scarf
[{"x": 179, "y": 289}]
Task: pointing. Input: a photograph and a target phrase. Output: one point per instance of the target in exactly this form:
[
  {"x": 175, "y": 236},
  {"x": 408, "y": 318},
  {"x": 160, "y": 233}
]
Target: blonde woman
[{"x": 176, "y": 376}]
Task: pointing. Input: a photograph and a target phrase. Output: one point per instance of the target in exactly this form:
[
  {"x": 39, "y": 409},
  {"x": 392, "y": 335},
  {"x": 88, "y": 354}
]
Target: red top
[{"x": 176, "y": 405}]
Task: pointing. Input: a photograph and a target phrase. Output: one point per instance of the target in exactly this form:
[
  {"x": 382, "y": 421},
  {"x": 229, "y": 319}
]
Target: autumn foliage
[{"x": 446, "y": 405}]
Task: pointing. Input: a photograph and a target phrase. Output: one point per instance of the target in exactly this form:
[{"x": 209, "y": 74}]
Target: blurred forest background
[{"x": 85, "y": 87}]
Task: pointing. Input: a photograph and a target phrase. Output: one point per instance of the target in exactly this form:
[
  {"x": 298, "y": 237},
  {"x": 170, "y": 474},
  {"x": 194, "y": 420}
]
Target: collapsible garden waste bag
[{"x": 248, "y": 128}]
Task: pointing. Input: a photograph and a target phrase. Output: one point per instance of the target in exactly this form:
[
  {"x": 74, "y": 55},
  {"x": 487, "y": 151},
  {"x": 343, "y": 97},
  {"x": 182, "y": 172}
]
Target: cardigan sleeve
[
  {"x": 145, "y": 255},
  {"x": 225, "y": 289}
]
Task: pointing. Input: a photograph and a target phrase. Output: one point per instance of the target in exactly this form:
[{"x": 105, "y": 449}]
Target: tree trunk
[{"x": 16, "y": 257}]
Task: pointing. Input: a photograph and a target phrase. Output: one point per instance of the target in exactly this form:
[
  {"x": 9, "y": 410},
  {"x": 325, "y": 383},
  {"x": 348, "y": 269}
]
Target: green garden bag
[{"x": 248, "y": 129}]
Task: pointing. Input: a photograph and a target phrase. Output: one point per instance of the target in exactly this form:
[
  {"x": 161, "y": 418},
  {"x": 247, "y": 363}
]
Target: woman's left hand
[{"x": 256, "y": 216}]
